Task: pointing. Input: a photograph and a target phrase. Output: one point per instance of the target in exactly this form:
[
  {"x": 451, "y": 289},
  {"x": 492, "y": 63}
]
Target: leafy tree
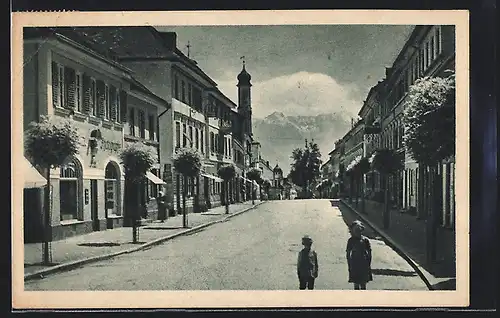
[
  {"x": 305, "y": 168},
  {"x": 429, "y": 122},
  {"x": 266, "y": 185},
  {"x": 226, "y": 172},
  {"x": 137, "y": 159},
  {"x": 187, "y": 162},
  {"x": 253, "y": 174},
  {"x": 387, "y": 163},
  {"x": 362, "y": 167},
  {"x": 49, "y": 143}
]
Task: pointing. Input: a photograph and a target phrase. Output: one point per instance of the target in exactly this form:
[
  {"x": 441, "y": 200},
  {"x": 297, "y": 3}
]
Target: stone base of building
[{"x": 63, "y": 231}]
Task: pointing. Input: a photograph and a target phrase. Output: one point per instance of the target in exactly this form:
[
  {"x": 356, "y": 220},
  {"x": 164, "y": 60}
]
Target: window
[
  {"x": 151, "y": 121},
  {"x": 69, "y": 190},
  {"x": 176, "y": 87},
  {"x": 191, "y": 136},
  {"x": 93, "y": 96},
  {"x": 432, "y": 53},
  {"x": 212, "y": 142},
  {"x": 197, "y": 99},
  {"x": 58, "y": 85},
  {"x": 142, "y": 124},
  {"x": 189, "y": 97},
  {"x": 111, "y": 179},
  {"x": 107, "y": 109},
  {"x": 438, "y": 40},
  {"x": 427, "y": 55},
  {"x": 132, "y": 122},
  {"x": 202, "y": 143},
  {"x": 197, "y": 139},
  {"x": 177, "y": 134},
  {"x": 184, "y": 137},
  {"x": 217, "y": 146},
  {"x": 422, "y": 61},
  {"x": 183, "y": 91},
  {"x": 118, "y": 106},
  {"x": 78, "y": 92}
]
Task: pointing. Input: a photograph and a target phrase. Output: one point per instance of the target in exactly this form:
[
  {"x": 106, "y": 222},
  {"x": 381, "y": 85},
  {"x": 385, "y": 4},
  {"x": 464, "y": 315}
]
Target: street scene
[
  {"x": 256, "y": 250},
  {"x": 239, "y": 157}
]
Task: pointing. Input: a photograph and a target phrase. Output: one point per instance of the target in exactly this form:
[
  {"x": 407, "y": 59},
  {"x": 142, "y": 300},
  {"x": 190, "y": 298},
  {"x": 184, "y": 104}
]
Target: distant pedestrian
[
  {"x": 359, "y": 256},
  {"x": 162, "y": 207},
  {"x": 307, "y": 264}
]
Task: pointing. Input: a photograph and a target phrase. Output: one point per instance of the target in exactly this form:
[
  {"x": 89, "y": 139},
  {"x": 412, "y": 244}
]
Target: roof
[
  {"x": 135, "y": 84},
  {"x": 372, "y": 91}
]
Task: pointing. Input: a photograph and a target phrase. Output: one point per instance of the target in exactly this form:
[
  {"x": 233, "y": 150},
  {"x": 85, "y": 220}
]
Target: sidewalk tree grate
[{"x": 99, "y": 244}]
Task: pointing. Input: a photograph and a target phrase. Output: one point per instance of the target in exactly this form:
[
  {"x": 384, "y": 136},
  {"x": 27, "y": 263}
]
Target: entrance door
[{"x": 93, "y": 205}]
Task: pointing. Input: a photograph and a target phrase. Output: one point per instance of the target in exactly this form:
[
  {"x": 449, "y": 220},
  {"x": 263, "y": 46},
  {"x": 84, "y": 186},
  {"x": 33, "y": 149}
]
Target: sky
[{"x": 296, "y": 69}]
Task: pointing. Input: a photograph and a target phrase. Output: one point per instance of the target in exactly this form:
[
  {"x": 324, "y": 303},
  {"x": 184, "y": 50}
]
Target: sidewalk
[
  {"x": 82, "y": 248},
  {"x": 408, "y": 234}
]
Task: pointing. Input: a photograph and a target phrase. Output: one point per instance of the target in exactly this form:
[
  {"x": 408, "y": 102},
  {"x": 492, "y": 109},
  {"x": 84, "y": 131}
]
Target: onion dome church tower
[{"x": 244, "y": 99}]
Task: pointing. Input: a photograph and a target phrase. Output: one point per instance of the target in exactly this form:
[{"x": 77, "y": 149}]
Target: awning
[
  {"x": 154, "y": 178},
  {"x": 32, "y": 178},
  {"x": 212, "y": 177}
]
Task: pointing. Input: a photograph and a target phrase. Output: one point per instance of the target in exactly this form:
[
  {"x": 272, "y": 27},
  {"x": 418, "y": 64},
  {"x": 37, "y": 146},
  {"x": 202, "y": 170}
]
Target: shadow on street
[
  {"x": 393, "y": 272},
  {"x": 348, "y": 216}
]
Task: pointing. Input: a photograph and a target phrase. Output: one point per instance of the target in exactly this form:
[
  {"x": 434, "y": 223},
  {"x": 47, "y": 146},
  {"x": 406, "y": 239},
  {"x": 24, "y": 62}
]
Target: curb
[
  {"x": 396, "y": 247},
  {"x": 74, "y": 264}
]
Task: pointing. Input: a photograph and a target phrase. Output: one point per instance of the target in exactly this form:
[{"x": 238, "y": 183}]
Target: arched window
[
  {"x": 69, "y": 190},
  {"x": 112, "y": 184}
]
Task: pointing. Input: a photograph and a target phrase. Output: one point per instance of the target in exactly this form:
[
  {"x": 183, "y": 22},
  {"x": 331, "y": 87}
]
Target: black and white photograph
[{"x": 261, "y": 155}]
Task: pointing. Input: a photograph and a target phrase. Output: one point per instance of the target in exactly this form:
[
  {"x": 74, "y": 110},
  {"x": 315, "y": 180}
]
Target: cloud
[{"x": 301, "y": 93}]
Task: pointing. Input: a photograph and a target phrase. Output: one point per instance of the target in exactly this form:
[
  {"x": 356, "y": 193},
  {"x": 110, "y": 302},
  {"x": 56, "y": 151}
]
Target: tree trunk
[
  {"x": 363, "y": 208},
  {"x": 435, "y": 207},
  {"x": 184, "y": 191},
  {"x": 386, "y": 214},
  {"x": 226, "y": 194},
  {"x": 253, "y": 197},
  {"x": 47, "y": 235},
  {"x": 135, "y": 212}
]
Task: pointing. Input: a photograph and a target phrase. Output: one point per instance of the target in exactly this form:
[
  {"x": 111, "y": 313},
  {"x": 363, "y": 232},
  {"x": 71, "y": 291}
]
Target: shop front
[{"x": 87, "y": 190}]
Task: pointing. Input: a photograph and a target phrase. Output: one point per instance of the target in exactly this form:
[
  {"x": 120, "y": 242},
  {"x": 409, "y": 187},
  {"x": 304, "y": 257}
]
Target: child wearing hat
[
  {"x": 307, "y": 265},
  {"x": 359, "y": 256}
]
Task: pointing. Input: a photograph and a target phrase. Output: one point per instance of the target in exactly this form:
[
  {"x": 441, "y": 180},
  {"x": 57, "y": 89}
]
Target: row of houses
[
  {"x": 120, "y": 85},
  {"x": 428, "y": 52}
]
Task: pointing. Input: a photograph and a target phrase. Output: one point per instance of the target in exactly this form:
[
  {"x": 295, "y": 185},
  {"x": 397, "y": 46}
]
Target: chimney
[{"x": 170, "y": 39}]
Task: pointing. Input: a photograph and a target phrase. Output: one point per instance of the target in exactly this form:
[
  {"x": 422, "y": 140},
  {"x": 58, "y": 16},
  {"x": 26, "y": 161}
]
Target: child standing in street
[
  {"x": 307, "y": 265},
  {"x": 359, "y": 256}
]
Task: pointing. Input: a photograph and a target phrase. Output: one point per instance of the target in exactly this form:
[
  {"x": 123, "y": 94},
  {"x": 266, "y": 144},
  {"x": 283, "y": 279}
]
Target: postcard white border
[{"x": 250, "y": 299}]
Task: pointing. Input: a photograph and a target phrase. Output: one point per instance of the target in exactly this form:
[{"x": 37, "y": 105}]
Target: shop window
[
  {"x": 69, "y": 190},
  {"x": 111, "y": 184}
]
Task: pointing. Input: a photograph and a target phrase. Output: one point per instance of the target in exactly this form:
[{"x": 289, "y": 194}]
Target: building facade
[{"x": 67, "y": 78}]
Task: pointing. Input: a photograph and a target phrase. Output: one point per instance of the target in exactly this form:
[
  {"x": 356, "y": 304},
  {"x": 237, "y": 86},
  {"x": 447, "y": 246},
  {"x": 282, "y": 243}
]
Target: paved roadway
[{"x": 256, "y": 250}]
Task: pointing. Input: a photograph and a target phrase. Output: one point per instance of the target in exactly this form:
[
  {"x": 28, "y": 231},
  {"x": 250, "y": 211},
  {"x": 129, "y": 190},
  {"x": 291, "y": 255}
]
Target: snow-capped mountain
[{"x": 279, "y": 134}]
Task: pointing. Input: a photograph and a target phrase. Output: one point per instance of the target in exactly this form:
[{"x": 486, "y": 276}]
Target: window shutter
[
  {"x": 123, "y": 106},
  {"x": 112, "y": 100},
  {"x": 87, "y": 94},
  {"x": 70, "y": 78},
  {"x": 100, "y": 98},
  {"x": 55, "y": 85}
]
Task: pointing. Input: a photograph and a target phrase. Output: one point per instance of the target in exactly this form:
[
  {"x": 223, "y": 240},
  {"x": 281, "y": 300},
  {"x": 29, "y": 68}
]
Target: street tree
[
  {"x": 266, "y": 185},
  {"x": 305, "y": 167},
  {"x": 187, "y": 162},
  {"x": 49, "y": 143},
  {"x": 226, "y": 172},
  {"x": 429, "y": 136},
  {"x": 253, "y": 175},
  {"x": 137, "y": 159},
  {"x": 387, "y": 163},
  {"x": 362, "y": 167}
]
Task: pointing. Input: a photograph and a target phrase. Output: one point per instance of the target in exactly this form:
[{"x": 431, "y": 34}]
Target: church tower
[{"x": 244, "y": 99}]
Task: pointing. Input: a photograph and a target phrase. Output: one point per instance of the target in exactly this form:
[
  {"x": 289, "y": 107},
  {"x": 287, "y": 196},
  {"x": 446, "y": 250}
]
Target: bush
[
  {"x": 51, "y": 141},
  {"x": 138, "y": 158},
  {"x": 187, "y": 161}
]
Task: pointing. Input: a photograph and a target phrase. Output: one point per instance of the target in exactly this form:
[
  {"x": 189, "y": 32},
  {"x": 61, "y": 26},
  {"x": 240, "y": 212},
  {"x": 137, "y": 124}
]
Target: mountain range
[{"x": 279, "y": 134}]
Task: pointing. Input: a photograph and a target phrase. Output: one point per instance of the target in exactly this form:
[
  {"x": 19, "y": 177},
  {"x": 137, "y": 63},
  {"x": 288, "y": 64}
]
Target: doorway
[{"x": 93, "y": 205}]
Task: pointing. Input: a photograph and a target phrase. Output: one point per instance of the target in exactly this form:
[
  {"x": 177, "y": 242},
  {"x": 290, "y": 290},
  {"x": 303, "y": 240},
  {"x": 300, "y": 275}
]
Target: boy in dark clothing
[{"x": 307, "y": 265}]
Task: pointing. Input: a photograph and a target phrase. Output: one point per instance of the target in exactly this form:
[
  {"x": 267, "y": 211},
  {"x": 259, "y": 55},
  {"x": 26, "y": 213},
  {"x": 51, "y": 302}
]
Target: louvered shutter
[
  {"x": 100, "y": 99},
  {"x": 123, "y": 106},
  {"x": 112, "y": 100},
  {"x": 55, "y": 85},
  {"x": 70, "y": 78},
  {"x": 87, "y": 94}
]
